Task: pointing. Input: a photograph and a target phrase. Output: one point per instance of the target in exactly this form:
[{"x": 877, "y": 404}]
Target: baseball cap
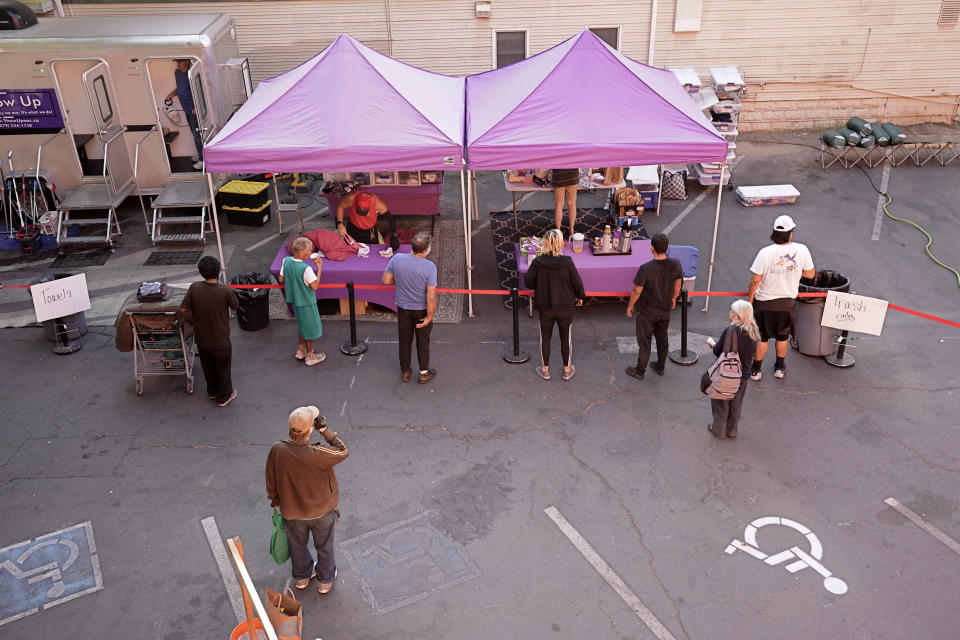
[
  {"x": 363, "y": 203},
  {"x": 784, "y": 223},
  {"x": 301, "y": 419}
]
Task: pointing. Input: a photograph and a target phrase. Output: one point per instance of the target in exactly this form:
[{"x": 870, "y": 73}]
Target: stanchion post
[
  {"x": 682, "y": 356},
  {"x": 516, "y": 356},
  {"x": 61, "y": 330},
  {"x": 352, "y": 348},
  {"x": 841, "y": 359}
]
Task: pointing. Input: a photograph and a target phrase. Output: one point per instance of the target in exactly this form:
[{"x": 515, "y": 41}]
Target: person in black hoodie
[
  {"x": 726, "y": 413},
  {"x": 557, "y": 290}
]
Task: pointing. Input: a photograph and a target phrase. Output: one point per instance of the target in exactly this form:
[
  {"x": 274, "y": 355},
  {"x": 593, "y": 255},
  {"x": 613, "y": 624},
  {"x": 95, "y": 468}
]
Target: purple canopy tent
[
  {"x": 349, "y": 108},
  {"x": 580, "y": 104}
]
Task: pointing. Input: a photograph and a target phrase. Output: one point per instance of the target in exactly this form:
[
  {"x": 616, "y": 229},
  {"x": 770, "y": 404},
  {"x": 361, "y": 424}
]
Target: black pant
[
  {"x": 652, "y": 324},
  {"x": 407, "y": 320},
  {"x": 298, "y": 533},
  {"x": 726, "y": 413},
  {"x": 216, "y": 371},
  {"x": 564, "y": 321},
  {"x": 369, "y": 236}
]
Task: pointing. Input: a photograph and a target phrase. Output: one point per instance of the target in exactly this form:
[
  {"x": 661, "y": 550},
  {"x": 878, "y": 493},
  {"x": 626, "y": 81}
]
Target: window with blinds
[
  {"x": 510, "y": 47},
  {"x": 949, "y": 12}
]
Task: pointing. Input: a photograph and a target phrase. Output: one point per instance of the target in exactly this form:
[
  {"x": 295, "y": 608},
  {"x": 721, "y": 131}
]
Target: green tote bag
[{"x": 279, "y": 546}]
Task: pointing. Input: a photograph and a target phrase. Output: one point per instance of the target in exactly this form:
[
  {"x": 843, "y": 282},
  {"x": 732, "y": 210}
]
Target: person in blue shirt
[
  {"x": 416, "y": 295},
  {"x": 185, "y": 96}
]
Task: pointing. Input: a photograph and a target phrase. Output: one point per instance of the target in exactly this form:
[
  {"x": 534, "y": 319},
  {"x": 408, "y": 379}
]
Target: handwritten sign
[
  {"x": 29, "y": 109},
  {"x": 854, "y": 313},
  {"x": 59, "y": 298}
]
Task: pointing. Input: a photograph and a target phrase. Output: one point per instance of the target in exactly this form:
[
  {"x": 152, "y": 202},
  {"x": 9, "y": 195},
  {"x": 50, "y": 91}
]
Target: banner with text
[{"x": 29, "y": 109}]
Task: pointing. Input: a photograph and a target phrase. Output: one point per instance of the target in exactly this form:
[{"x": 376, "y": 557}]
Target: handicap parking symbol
[
  {"x": 47, "y": 571},
  {"x": 804, "y": 559}
]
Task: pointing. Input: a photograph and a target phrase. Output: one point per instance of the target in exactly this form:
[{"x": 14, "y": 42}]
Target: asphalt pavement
[{"x": 492, "y": 504}]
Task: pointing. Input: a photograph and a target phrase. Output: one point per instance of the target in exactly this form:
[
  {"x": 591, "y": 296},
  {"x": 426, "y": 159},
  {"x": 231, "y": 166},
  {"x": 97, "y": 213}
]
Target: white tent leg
[
  {"x": 713, "y": 245},
  {"x": 216, "y": 227},
  {"x": 466, "y": 232},
  {"x": 469, "y": 244}
]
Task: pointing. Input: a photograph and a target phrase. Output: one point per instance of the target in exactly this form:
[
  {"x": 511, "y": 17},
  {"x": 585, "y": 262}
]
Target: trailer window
[
  {"x": 103, "y": 98},
  {"x": 199, "y": 99}
]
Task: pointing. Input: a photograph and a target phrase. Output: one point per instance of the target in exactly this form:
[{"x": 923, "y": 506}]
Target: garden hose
[{"x": 926, "y": 248}]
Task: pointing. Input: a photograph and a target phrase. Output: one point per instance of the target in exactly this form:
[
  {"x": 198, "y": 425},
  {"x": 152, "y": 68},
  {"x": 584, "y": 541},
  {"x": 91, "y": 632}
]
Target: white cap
[
  {"x": 784, "y": 223},
  {"x": 301, "y": 419}
]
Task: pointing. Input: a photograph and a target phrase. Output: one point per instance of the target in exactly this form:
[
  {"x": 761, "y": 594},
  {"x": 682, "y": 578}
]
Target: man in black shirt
[
  {"x": 209, "y": 303},
  {"x": 655, "y": 290}
]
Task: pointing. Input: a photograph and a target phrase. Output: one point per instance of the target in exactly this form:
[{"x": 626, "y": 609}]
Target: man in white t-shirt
[{"x": 774, "y": 284}]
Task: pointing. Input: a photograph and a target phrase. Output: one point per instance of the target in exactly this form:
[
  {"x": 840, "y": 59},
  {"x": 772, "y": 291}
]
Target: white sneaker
[
  {"x": 316, "y": 359},
  {"x": 756, "y": 375},
  {"x": 198, "y": 165},
  {"x": 779, "y": 373}
]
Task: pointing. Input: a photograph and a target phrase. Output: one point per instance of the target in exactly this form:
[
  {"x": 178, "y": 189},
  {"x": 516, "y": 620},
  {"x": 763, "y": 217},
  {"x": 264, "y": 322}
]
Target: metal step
[
  {"x": 179, "y": 237},
  {"x": 179, "y": 219},
  {"x": 84, "y": 240},
  {"x": 85, "y": 221}
]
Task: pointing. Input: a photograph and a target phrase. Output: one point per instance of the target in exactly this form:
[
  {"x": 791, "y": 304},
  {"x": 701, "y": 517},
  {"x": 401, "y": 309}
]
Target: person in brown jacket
[{"x": 301, "y": 482}]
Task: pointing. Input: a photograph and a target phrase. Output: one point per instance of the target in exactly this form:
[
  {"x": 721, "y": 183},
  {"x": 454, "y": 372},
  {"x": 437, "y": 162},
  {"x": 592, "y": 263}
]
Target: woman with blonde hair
[
  {"x": 557, "y": 289},
  {"x": 726, "y": 413}
]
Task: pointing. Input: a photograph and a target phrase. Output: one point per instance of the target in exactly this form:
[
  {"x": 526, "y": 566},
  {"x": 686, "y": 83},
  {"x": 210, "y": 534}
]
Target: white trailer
[{"x": 82, "y": 105}]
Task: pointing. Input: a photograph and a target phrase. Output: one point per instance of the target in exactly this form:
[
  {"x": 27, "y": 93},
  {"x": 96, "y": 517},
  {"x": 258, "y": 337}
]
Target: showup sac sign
[{"x": 29, "y": 109}]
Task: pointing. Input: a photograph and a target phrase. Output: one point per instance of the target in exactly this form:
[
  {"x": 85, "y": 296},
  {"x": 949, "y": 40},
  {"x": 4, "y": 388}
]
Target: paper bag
[{"x": 285, "y": 614}]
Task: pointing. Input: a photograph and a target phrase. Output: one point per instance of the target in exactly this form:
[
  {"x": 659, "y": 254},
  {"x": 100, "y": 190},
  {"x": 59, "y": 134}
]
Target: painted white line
[
  {"x": 274, "y": 235},
  {"x": 369, "y": 341},
  {"x": 360, "y": 359},
  {"x": 690, "y": 207},
  {"x": 353, "y": 380},
  {"x": 343, "y": 409},
  {"x": 609, "y": 575},
  {"x": 223, "y": 563},
  {"x": 519, "y": 200},
  {"x": 952, "y": 544},
  {"x": 881, "y": 199}
]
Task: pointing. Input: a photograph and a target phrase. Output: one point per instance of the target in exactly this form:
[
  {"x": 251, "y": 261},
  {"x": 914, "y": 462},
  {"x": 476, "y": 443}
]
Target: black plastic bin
[
  {"x": 254, "y": 311},
  {"x": 75, "y": 323},
  {"x": 812, "y": 338}
]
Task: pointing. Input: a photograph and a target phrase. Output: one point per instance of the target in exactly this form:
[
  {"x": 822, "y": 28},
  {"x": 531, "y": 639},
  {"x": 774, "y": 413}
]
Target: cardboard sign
[
  {"x": 29, "y": 109},
  {"x": 854, "y": 313},
  {"x": 59, "y": 298}
]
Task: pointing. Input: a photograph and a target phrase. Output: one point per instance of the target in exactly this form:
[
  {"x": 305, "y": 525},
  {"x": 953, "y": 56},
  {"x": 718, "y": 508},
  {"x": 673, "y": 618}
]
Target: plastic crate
[
  {"x": 249, "y": 217},
  {"x": 249, "y": 196}
]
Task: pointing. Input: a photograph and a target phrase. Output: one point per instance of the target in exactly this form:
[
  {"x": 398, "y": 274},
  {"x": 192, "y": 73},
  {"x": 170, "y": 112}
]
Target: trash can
[
  {"x": 76, "y": 323},
  {"x": 254, "y": 311},
  {"x": 813, "y": 339}
]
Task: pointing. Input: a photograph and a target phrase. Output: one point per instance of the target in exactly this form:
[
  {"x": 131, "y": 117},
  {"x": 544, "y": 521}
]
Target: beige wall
[{"x": 807, "y": 63}]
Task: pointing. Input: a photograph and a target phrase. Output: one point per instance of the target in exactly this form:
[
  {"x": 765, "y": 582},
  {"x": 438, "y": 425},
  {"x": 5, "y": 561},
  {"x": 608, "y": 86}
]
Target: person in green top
[{"x": 299, "y": 286}]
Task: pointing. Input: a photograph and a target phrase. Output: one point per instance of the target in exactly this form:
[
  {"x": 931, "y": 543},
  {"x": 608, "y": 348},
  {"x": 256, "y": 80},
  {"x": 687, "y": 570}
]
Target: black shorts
[{"x": 776, "y": 319}]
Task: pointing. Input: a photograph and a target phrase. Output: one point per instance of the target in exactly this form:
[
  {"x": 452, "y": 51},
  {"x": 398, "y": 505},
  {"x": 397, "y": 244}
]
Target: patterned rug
[
  {"x": 447, "y": 253},
  {"x": 590, "y": 222}
]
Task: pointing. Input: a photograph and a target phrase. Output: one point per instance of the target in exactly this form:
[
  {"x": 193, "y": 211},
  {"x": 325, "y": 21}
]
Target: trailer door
[
  {"x": 110, "y": 131},
  {"x": 200, "y": 104}
]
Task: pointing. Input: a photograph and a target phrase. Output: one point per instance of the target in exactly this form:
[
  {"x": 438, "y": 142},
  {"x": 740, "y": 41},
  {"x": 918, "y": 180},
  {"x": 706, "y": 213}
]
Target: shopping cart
[{"x": 160, "y": 348}]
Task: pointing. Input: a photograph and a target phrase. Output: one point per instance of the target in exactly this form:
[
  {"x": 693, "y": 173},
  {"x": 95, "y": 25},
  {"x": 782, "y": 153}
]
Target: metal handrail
[
  {"x": 136, "y": 166},
  {"x": 36, "y": 175}
]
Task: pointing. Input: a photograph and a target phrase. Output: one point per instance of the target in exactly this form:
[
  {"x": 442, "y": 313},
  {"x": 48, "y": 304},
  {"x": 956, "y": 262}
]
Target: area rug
[
  {"x": 89, "y": 259},
  {"x": 165, "y": 258},
  {"x": 506, "y": 233}
]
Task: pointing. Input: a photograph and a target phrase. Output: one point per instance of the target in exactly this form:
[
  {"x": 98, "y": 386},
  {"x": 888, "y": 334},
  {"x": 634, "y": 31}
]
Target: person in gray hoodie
[{"x": 557, "y": 289}]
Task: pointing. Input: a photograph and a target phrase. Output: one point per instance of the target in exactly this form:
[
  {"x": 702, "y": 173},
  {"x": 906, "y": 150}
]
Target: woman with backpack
[
  {"x": 743, "y": 327},
  {"x": 557, "y": 290}
]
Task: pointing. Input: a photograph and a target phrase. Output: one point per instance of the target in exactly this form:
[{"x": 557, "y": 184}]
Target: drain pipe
[{"x": 653, "y": 31}]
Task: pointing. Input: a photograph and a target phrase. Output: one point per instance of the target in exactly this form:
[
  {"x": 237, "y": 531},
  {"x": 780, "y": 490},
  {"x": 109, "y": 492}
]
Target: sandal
[
  {"x": 543, "y": 374},
  {"x": 568, "y": 374}
]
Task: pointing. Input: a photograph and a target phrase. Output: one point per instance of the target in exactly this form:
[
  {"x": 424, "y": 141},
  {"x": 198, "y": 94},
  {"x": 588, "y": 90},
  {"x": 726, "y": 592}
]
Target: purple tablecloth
[
  {"x": 355, "y": 270},
  {"x": 600, "y": 273},
  {"x": 402, "y": 201}
]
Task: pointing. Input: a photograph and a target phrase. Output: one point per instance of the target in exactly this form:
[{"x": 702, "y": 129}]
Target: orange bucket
[{"x": 241, "y": 629}]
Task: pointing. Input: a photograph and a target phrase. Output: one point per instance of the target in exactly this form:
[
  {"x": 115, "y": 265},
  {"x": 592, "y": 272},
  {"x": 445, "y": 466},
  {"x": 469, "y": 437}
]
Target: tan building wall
[{"x": 807, "y": 63}]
